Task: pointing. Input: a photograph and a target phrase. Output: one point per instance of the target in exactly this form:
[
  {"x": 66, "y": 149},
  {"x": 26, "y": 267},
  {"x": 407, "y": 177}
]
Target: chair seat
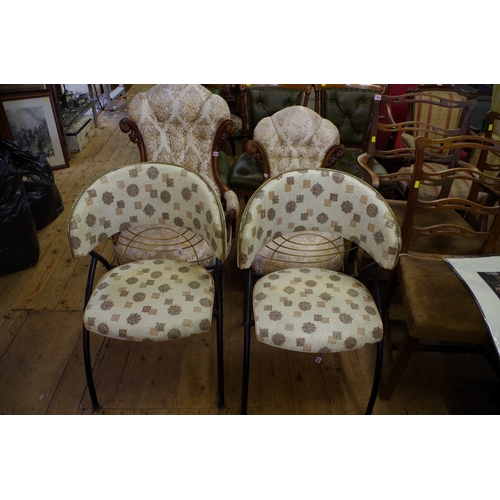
[
  {"x": 175, "y": 300},
  {"x": 301, "y": 249},
  {"x": 445, "y": 311},
  {"x": 314, "y": 310}
]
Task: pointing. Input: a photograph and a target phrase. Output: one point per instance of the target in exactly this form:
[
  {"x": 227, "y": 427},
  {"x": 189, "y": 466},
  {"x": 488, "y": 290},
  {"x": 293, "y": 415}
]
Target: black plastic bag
[
  {"x": 38, "y": 180},
  {"x": 19, "y": 247}
]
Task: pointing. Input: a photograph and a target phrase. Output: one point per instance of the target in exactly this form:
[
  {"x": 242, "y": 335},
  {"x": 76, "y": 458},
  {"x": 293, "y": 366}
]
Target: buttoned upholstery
[
  {"x": 264, "y": 102},
  {"x": 310, "y": 309},
  {"x": 151, "y": 299},
  {"x": 354, "y": 110},
  {"x": 295, "y": 137},
  {"x": 258, "y": 102},
  {"x": 179, "y": 125}
]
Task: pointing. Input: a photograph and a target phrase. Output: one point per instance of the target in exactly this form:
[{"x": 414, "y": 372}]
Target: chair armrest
[
  {"x": 259, "y": 154},
  {"x": 130, "y": 128},
  {"x": 333, "y": 155},
  {"x": 232, "y": 205},
  {"x": 226, "y": 128},
  {"x": 365, "y": 161}
]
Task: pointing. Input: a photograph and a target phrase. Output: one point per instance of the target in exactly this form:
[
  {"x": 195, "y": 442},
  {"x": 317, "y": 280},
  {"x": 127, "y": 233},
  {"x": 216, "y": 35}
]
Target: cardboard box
[{"x": 79, "y": 133}]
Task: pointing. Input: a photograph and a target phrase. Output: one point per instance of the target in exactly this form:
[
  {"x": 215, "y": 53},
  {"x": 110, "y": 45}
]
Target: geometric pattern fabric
[{"x": 314, "y": 310}]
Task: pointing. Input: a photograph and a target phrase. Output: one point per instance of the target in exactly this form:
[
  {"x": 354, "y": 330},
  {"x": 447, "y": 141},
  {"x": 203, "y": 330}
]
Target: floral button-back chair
[
  {"x": 155, "y": 299},
  {"x": 297, "y": 138},
  {"x": 183, "y": 125},
  {"x": 309, "y": 309}
]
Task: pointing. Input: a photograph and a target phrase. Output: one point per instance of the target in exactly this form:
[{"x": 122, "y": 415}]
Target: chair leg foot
[
  {"x": 88, "y": 371},
  {"x": 246, "y": 342},
  {"x": 376, "y": 378},
  {"x": 397, "y": 367}
]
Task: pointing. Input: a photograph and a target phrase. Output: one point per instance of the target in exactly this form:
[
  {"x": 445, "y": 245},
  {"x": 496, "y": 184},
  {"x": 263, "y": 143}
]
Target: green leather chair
[{"x": 354, "y": 110}]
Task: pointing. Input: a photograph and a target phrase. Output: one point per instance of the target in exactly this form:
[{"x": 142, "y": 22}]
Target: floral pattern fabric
[
  {"x": 178, "y": 124},
  {"x": 295, "y": 137},
  {"x": 298, "y": 137}
]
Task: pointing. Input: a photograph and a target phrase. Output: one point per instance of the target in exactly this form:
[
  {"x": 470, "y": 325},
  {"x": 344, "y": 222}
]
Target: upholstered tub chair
[
  {"x": 258, "y": 101},
  {"x": 308, "y": 309},
  {"x": 155, "y": 299},
  {"x": 294, "y": 137}
]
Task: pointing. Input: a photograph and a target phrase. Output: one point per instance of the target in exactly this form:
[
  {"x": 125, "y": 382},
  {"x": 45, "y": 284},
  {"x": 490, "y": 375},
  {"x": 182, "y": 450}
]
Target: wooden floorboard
[{"x": 41, "y": 366}]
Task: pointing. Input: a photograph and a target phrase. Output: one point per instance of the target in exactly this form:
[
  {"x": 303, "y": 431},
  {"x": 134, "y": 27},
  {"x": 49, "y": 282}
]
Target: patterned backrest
[
  {"x": 178, "y": 124},
  {"x": 146, "y": 193},
  {"x": 295, "y": 138},
  {"x": 319, "y": 200}
]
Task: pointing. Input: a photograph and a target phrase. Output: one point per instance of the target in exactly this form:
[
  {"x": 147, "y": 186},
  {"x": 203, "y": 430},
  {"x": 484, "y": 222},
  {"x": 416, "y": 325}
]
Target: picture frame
[
  {"x": 31, "y": 121},
  {"x": 10, "y": 88}
]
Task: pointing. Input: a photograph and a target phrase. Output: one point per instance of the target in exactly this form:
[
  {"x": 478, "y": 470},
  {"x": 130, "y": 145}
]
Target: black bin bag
[
  {"x": 38, "y": 180},
  {"x": 19, "y": 247}
]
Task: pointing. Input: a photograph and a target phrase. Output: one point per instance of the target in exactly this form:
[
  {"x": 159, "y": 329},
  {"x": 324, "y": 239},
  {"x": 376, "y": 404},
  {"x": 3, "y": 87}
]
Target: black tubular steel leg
[
  {"x": 380, "y": 346},
  {"x": 220, "y": 342},
  {"x": 88, "y": 370},
  {"x": 246, "y": 341},
  {"x": 86, "y": 336},
  {"x": 376, "y": 378}
]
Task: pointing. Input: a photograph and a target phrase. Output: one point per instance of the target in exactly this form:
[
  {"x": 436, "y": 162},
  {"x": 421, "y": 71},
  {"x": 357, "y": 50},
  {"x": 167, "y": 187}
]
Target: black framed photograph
[
  {"x": 9, "y": 88},
  {"x": 30, "y": 120}
]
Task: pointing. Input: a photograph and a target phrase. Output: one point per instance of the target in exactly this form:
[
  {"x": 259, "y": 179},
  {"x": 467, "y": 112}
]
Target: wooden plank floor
[{"x": 41, "y": 367}]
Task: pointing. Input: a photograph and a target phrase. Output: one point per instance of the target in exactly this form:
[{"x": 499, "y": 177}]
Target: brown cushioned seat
[{"x": 446, "y": 309}]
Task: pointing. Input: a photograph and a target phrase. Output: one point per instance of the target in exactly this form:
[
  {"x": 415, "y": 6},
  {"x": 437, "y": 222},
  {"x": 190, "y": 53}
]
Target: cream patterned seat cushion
[
  {"x": 314, "y": 310},
  {"x": 153, "y": 300}
]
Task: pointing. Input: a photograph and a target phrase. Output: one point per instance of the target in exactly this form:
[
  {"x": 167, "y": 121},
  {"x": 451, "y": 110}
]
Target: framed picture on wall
[
  {"x": 9, "y": 88},
  {"x": 30, "y": 120}
]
